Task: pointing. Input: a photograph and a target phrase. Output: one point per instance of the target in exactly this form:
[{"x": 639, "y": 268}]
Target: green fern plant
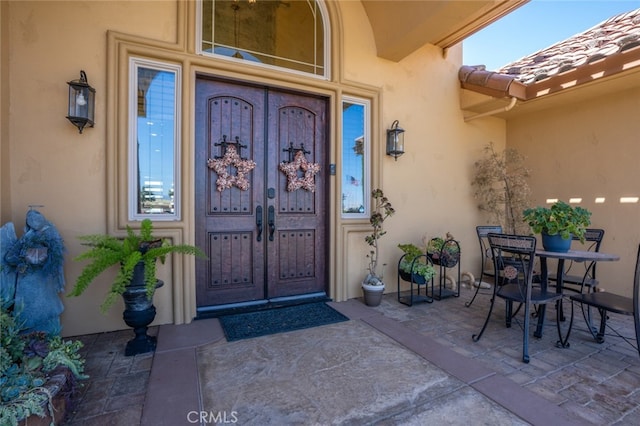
[{"x": 107, "y": 251}]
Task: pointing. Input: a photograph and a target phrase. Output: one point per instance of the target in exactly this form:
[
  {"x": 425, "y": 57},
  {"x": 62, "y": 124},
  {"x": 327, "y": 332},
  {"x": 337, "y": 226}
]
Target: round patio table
[{"x": 573, "y": 255}]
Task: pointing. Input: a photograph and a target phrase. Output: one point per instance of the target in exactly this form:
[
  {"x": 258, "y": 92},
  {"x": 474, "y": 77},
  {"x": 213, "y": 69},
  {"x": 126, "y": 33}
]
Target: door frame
[
  {"x": 327, "y": 199},
  {"x": 346, "y": 258}
]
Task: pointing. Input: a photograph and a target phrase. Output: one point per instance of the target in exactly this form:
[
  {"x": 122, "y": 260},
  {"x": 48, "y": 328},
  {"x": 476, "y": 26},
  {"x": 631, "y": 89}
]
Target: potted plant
[
  {"x": 560, "y": 221},
  {"x": 500, "y": 184},
  {"x": 413, "y": 265},
  {"x": 135, "y": 256},
  {"x": 372, "y": 285},
  {"x": 444, "y": 251},
  {"x": 38, "y": 372}
]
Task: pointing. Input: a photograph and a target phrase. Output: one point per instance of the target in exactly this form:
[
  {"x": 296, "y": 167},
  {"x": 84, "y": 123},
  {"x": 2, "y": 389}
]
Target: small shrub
[{"x": 27, "y": 361}]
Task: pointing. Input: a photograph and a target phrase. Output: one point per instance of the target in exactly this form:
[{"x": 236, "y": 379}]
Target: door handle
[
  {"x": 259, "y": 223},
  {"x": 272, "y": 221}
]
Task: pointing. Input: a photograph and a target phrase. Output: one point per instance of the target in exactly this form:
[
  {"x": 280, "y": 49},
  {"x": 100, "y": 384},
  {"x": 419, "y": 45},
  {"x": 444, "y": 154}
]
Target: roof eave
[
  {"x": 496, "y": 85},
  {"x": 490, "y": 83}
]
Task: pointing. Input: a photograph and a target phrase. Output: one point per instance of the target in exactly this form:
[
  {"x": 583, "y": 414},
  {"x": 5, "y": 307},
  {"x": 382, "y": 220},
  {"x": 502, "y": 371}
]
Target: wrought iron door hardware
[
  {"x": 292, "y": 151},
  {"x": 224, "y": 143}
]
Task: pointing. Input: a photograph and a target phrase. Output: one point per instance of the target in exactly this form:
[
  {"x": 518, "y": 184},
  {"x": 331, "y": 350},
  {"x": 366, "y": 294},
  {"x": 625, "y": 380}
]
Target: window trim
[
  {"x": 327, "y": 47},
  {"x": 366, "y": 169},
  {"x": 134, "y": 64}
]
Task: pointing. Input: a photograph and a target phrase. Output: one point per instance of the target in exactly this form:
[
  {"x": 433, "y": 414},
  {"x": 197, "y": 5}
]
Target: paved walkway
[{"x": 389, "y": 365}]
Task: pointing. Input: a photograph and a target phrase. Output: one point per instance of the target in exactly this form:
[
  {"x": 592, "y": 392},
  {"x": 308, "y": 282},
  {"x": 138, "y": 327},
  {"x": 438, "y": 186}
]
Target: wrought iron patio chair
[
  {"x": 574, "y": 276},
  {"x": 581, "y": 276},
  {"x": 486, "y": 261},
  {"x": 513, "y": 260},
  {"x": 606, "y": 302}
]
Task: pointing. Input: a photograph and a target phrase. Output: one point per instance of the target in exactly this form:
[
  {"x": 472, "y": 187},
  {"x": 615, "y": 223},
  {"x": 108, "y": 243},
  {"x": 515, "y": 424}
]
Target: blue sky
[{"x": 535, "y": 26}]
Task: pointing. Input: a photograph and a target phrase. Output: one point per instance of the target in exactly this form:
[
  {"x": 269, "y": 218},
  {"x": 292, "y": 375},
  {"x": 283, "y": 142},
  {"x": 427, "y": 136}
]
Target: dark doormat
[{"x": 279, "y": 320}]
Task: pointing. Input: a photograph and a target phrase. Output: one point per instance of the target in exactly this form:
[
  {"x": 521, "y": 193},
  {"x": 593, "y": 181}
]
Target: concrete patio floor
[{"x": 391, "y": 364}]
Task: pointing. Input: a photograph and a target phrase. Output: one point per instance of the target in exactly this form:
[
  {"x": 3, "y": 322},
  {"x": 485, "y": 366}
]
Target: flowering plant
[{"x": 560, "y": 218}]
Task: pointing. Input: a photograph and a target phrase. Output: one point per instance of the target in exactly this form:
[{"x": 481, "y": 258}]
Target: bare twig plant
[{"x": 500, "y": 184}]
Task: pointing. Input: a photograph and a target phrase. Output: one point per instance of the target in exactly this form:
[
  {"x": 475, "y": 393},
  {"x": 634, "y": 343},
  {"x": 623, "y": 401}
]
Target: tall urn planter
[
  {"x": 135, "y": 256},
  {"x": 139, "y": 312}
]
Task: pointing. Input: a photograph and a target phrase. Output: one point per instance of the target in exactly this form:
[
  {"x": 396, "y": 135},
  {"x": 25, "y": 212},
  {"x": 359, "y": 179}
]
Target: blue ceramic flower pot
[{"x": 555, "y": 243}]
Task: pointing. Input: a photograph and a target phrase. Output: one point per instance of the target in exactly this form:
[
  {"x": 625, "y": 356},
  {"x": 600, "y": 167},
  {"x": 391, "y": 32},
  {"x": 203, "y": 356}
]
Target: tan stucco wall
[
  {"x": 53, "y": 165},
  {"x": 5, "y": 194},
  {"x": 590, "y": 149},
  {"x": 429, "y": 186}
]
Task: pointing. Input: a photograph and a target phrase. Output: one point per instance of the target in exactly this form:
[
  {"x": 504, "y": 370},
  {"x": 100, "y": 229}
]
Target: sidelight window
[
  {"x": 356, "y": 148},
  {"x": 154, "y": 140}
]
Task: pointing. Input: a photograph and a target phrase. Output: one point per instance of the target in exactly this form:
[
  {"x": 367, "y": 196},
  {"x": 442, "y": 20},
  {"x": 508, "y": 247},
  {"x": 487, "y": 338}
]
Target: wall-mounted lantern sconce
[
  {"x": 82, "y": 101},
  {"x": 395, "y": 141}
]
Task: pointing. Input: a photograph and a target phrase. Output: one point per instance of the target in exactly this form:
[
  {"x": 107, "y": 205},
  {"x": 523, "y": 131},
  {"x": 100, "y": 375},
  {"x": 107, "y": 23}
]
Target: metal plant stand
[
  {"x": 448, "y": 258},
  {"x": 416, "y": 281}
]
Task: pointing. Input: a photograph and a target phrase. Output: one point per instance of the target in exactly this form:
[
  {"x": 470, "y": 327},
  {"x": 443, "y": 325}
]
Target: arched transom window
[{"x": 285, "y": 34}]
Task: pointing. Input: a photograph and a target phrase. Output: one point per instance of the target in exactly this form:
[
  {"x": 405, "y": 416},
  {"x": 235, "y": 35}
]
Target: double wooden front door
[{"x": 264, "y": 232}]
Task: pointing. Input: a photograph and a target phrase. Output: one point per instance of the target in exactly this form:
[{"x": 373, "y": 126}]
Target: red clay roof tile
[
  {"x": 614, "y": 36},
  {"x": 598, "y": 42}
]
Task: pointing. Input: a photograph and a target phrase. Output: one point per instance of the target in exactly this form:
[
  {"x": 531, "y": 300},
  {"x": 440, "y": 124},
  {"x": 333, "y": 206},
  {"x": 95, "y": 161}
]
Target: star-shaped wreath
[
  {"x": 291, "y": 170},
  {"x": 221, "y": 167}
]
